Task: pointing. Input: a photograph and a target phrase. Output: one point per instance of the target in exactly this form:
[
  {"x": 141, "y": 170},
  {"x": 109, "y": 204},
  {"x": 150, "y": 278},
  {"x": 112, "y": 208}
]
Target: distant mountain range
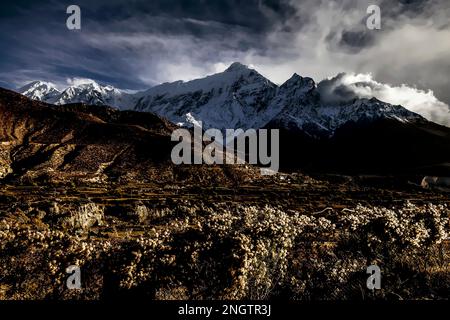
[
  {"x": 355, "y": 136},
  {"x": 239, "y": 97},
  {"x": 90, "y": 93}
]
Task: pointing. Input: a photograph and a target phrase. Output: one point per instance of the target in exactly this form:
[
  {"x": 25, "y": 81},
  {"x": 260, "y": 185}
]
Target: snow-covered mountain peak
[
  {"x": 92, "y": 86},
  {"x": 237, "y": 67},
  {"x": 238, "y": 97},
  {"x": 40, "y": 90},
  {"x": 37, "y": 84},
  {"x": 96, "y": 94},
  {"x": 86, "y": 91},
  {"x": 297, "y": 86},
  {"x": 303, "y": 110}
]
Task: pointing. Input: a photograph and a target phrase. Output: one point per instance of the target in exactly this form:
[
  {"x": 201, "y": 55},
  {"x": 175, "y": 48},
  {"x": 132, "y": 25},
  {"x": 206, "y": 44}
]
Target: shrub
[{"x": 217, "y": 251}]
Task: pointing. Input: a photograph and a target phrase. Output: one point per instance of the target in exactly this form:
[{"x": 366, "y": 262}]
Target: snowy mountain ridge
[
  {"x": 239, "y": 97},
  {"x": 41, "y": 91}
]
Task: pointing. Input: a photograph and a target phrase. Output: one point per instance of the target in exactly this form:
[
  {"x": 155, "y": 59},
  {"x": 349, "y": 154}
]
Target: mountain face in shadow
[{"x": 384, "y": 147}]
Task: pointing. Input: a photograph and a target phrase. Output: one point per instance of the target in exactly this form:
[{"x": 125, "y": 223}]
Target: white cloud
[
  {"x": 79, "y": 81},
  {"x": 344, "y": 86}
]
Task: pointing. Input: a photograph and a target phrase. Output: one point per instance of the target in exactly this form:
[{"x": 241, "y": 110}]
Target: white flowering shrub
[
  {"x": 33, "y": 261},
  {"x": 386, "y": 234},
  {"x": 85, "y": 216},
  {"x": 227, "y": 251}
]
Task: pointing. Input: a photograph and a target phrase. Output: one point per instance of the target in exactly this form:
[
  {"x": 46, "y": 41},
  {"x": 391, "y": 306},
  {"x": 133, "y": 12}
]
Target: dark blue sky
[
  {"x": 111, "y": 47},
  {"x": 137, "y": 44}
]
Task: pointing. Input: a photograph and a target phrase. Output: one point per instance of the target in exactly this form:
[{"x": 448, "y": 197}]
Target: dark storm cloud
[
  {"x": 120, "y": 38},
  {"x": 333, "y": 92},
  {"x": 250, "y": 14},
  {"x": 38, "y": 45}
]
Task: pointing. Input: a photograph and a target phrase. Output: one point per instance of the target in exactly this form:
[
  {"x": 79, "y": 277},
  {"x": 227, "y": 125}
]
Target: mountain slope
[
  {"x": 355, "y": 136},
  {"x": 41, "y": 142},
  {"x": 242, "y": 98},
  {"x": 89, "y": 92},
  {"x": 239, "y": 97},
  {"x": 377, "y": 147},
  {"x": 94, "y": 94},
  {"x": 40, "y": 91}
]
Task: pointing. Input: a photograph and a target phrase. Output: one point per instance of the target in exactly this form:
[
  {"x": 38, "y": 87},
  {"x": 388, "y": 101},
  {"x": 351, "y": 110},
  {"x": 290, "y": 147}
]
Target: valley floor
[{"x": 290, "y": 237}]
